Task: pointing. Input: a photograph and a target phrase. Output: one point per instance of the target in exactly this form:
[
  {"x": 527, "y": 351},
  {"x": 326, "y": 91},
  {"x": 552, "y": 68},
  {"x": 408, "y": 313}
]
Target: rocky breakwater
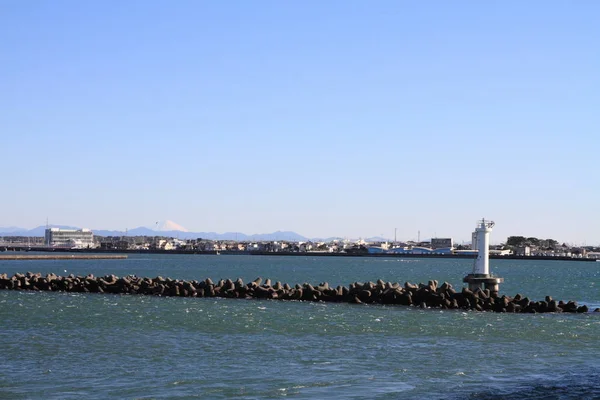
[{"x": 430, "y": 295}]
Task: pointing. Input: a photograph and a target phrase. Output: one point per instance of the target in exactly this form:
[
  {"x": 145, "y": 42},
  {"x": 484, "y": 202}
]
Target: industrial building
[
  {"x": 69, "y": 238},
  {"x": 441, "y": 243}
]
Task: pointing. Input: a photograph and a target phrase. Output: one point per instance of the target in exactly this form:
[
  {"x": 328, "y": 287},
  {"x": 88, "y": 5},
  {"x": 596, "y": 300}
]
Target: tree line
[{"x": 520, "y": 241}]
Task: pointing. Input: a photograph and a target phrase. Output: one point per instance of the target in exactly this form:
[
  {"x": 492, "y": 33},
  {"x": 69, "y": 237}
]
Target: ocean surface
[{"x": 94, "y": 346}]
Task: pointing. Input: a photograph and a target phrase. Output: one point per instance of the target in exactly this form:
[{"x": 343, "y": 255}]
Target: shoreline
[
  {"x": 63, "y": 257},
  {"x": 102, "y": 252}
]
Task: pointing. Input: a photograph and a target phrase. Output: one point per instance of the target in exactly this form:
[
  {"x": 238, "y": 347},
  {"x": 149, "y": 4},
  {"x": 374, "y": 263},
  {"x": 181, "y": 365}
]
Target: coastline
[
  {"x": 62, "y": 257},
  {"x": 284, "y": 253}
]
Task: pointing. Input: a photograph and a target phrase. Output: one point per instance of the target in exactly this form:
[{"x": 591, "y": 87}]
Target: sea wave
[{"x": 569, "y": 386}]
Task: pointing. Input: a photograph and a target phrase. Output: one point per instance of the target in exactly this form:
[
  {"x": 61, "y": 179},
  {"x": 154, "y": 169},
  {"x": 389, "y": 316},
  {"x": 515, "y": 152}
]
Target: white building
[{"x": 69, "y": 238}]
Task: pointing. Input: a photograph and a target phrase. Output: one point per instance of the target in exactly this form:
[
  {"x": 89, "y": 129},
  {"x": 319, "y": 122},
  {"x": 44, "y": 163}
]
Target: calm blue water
[{"x": 73, "y": 346}]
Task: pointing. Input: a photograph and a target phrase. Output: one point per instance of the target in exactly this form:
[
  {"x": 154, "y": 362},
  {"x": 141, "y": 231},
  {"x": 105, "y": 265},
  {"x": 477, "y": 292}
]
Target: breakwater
[
  {"x": 430, "y": 295},
  {"x": 63, "y": 257}
]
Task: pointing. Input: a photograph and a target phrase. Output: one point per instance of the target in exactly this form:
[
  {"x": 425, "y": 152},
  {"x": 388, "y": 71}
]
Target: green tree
[{"x": 517, "y": 241}]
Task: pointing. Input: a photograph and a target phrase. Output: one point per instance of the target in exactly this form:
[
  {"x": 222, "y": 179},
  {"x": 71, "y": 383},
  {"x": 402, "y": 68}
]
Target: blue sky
[{"x": 347, "y": 118}]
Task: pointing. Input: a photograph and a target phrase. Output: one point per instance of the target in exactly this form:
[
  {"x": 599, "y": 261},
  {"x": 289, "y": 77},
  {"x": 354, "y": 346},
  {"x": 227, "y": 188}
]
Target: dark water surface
[{"x": 73, "y": 346}]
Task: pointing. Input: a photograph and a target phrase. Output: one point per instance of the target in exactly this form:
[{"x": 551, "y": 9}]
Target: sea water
[{"x": 94, "y": 346}]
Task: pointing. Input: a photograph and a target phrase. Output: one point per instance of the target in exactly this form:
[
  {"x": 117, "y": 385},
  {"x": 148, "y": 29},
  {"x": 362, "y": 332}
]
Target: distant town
[{"x": 57, "y": 239}]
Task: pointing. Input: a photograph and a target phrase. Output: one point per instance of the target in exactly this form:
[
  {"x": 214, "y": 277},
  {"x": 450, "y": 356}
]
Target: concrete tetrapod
[{"x": 430, "y": 295}]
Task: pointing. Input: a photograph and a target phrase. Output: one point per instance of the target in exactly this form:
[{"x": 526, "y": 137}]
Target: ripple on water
[{"x": 99, "y": 347}]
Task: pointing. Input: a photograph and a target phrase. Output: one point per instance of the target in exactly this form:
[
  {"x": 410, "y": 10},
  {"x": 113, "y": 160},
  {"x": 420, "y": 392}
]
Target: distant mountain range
[
  {"x": 141, "y": 231},
  {"x": 39, "y": 231},
  {"x": 181, "y": 234}
]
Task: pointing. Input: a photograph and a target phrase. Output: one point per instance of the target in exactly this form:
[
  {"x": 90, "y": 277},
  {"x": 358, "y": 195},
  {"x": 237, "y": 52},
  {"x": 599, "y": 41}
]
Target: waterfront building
[
  {"x": 376, "y": 250},
  {"x": 441, "y": 243},
  {"x": 69, "y": 238},
  {"x": 421, "y": 250},
  {"x": 443, "y": 250},
  {"x": 500, "y": 252},
  {"x": 523, "y": 251},
  {"x": 399, "y": 250}
]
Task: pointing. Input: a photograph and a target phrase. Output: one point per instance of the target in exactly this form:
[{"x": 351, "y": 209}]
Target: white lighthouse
[
  {"x": 481, "y": 269},
  {"x": 482, "y": 232}
]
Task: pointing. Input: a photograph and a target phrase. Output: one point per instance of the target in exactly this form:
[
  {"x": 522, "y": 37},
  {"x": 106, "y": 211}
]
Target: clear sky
[{"x": 326, "y": 118}]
